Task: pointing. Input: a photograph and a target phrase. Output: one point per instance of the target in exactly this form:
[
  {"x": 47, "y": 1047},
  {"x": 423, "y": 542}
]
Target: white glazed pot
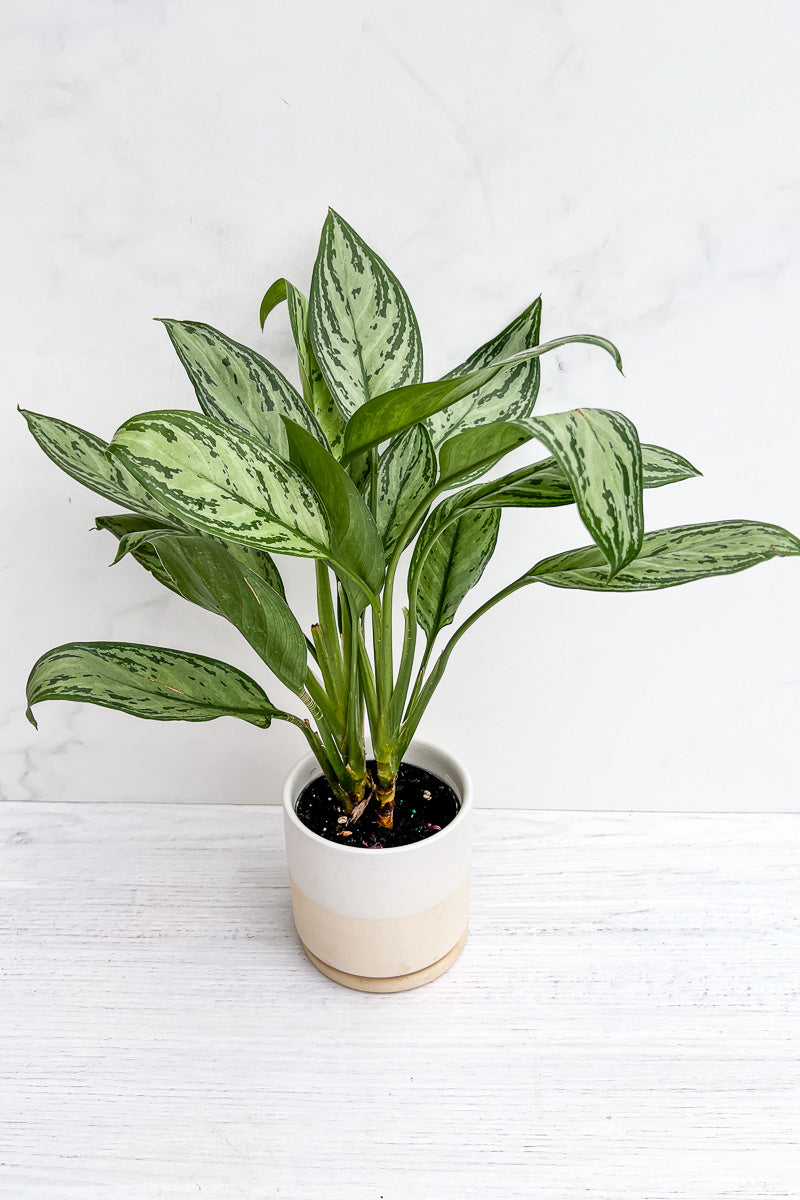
[{"x": 382, "y": 920}]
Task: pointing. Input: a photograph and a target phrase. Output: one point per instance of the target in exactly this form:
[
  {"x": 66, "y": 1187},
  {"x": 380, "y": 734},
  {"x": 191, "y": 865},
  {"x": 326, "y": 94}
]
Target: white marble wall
[{"x": 636, "y": 163}]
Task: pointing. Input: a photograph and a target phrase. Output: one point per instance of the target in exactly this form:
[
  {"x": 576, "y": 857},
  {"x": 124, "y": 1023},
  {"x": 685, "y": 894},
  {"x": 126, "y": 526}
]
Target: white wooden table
[{"x": 624, "y": 1022}]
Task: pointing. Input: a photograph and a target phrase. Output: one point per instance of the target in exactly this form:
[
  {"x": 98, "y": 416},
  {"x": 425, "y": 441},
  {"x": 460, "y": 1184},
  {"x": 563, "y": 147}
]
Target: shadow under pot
[{"x": 389, "y": 919}]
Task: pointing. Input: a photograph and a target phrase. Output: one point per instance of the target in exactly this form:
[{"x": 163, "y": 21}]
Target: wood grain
[{"x": 622, "y": 1023}]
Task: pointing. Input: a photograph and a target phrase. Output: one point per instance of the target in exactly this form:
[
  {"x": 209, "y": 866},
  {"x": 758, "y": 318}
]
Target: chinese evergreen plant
[{"x": 363, "y": 464}]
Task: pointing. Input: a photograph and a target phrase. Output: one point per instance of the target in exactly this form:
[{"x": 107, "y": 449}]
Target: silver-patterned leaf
[
  {"x": 237, "y": 386},
  {"x": 670, "y": 557},
  {"x": 406, "y": 473},
  {"x": 393, "y": 412},
  {"x": 512, "y": 395},
  {"x": 152, "y": 682},
  {"x": 222, "y": 481},
  {"x": 206, "y": 574},
  {"x": 315, "y": 390},
  {"x": 454, "y": 554},
  {"x": 362, "y": 327},
  {"x": 544, "y": 484},
  {"x": 84, "y": 457},
  {"x": 599, "y": 452}
]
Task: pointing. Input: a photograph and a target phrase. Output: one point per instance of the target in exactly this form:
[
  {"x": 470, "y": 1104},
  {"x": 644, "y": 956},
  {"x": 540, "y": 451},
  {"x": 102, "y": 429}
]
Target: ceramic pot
[{"x": 382, "y": 920}]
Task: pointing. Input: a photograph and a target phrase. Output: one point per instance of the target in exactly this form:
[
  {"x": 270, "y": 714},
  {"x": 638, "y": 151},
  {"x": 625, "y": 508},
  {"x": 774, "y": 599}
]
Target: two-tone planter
[{"x": 382, "y": 920}]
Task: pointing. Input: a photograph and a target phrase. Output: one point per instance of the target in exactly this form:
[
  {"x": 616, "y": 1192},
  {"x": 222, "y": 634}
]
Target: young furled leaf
[{"x": 315, "y": 390}]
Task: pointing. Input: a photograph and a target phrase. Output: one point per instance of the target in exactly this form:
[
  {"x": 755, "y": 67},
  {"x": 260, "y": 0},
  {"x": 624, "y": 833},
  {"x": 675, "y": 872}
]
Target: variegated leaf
[
  {"x": 147, "y": 681},
  {"x": 544, "y": 484},
  {"x": 136, "y": 534},
  {"x": 315, "y": 390},
  {"x": 406, "y": 473},
  {"x": 206, "y": 574},
  {"x": 236, "y": 386},
  {"x": 599, "y": 452},
  {"x": 393, "y": 412},
  {"x": 354, "y": 537},
  {"x": 455, "y": 554},
  {"x": 362, "y": 327},
  {"x": 670, "y": 557},
  {"x": 512, "y": 395},
  {"x": 84, "y": 457},
  {"x": 222, "y": 481}
]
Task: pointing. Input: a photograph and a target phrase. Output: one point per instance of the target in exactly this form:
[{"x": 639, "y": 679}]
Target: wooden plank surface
[{"x": 624, "y": 1022}]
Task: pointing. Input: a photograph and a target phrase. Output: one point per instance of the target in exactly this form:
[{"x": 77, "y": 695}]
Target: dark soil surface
[{"x": 424, "y": 804}]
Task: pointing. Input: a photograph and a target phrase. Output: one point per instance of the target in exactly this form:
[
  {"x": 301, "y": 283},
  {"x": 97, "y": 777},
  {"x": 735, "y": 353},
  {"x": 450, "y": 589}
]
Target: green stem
[
  {"x": 318, "y": 751},
  {"x": 324, "y": 702},
  {"x": 426, "y": 692},
  {"x": 329, "y": 649}
]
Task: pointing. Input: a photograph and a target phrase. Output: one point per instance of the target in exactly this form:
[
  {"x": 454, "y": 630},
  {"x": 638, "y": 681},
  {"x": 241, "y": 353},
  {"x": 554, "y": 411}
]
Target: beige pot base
[{"x": 395, "y": 983}]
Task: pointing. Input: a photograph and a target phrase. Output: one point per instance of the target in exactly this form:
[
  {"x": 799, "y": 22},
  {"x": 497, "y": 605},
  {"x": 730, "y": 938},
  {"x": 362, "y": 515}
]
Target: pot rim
[{"x": 464, "y": 793}]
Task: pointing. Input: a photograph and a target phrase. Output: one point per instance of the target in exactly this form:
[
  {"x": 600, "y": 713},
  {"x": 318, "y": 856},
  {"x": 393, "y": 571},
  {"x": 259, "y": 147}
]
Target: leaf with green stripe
[
  {"x": 670, "y": 557},
  {"x": 237, "y": 386},
  {"x": 406, "y": 474},
  {"x": 544, "y": 484},
  {"x": 599, "y": 452},
  {"x": 206, "y": 574},
  {"x": 315, "y": 390},
  {"x": 511, "y": 395},
  {"x": 222, "y": 481},
  {"x": 84, "y": 457},
  {"x": 354, "y": 537},
  {"x": 449, "y": 558},
  {"x": 152, "y": 682},
  {"x": 394, "y": 412},
  {"x": 362, "y": 327}
]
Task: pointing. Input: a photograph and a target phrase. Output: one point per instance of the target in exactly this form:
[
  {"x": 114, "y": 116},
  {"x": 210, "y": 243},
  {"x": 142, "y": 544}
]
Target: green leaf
[
  {"x": 315, "y": 390},
  {"x": 406, "y": 473},
  {"x": 354, "y": 537},
  {"x": 147, "y": 681},
  {"x": 544, "y": 484},
  {"x": 84, "y": 457},
  {"x": 136, "y": 534},
  {"x": 599, "y": 452},
  {"x": 455, "y": 554},
  {"x": 363, "y": 330},
  {"x": 236, "y": 386},
  {"x": 393, "y": 412},
  {"x": 670, "y": 557},
  {"x": 126, "y": 528},
  {"x": 205, "y": 573},
  {"x": 512, "y": 395},
  {"x": 475, "y": 450},
  {"x": 222, "y": 481}
]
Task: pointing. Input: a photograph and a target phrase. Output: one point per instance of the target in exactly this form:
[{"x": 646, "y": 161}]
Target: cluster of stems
[{"x": 347, "y": 689}]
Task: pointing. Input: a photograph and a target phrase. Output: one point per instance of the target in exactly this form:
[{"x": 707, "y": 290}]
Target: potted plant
[{"x": 363, "y": 465}]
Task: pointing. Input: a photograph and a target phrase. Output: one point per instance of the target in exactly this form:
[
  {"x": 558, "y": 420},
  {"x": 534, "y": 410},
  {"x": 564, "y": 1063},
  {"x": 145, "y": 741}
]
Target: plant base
[{"x": 394, "y": 983}]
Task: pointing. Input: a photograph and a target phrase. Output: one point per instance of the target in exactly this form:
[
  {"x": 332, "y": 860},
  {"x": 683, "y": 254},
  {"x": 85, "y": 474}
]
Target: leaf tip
[{"x": 31, "y": 717}]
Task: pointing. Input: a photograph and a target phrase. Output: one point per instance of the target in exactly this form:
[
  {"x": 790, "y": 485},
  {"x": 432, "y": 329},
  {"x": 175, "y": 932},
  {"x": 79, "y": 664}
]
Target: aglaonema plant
[{"x": 363, "y": 465}]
